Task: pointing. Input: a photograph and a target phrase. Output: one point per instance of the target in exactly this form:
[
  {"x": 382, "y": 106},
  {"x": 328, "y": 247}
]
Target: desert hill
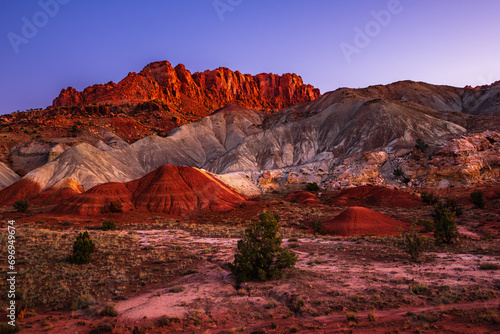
[
  {"x": 168, "y": 189},
  {"x": 356, "y": 221}
]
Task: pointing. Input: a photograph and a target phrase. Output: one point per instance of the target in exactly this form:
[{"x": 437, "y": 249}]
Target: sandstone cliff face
[{"x": 210, "y": 89}]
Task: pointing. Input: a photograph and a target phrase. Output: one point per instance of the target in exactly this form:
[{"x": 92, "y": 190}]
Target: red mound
[
  {"x": 168, "y": 189},
  {"x": 22, "y": 189},
  {"x": 375, "y": 196},
  {"x": 303, "y": 197},
  {"x": 98, "y": 200},
  {"x": 362, "y": 221}
]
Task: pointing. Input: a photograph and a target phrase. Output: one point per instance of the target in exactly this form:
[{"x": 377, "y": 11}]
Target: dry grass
[{"x": 47, "y": 278}]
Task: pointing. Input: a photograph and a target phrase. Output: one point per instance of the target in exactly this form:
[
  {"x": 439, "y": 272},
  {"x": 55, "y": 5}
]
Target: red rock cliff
[{"x": 211, "y": 89}]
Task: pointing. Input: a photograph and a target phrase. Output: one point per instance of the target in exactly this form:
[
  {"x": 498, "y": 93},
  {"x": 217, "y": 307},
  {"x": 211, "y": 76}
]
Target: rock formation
[
  {"x": 169, "y": 189},
  {"x": 210, "y": 89}
]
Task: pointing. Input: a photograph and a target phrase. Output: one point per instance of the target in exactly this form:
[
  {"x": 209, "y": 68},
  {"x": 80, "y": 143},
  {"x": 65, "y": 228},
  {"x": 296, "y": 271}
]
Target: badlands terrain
[{"x": 183, "y": 162}]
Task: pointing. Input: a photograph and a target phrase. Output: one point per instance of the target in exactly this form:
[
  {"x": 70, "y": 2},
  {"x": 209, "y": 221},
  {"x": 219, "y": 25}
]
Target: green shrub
[
  {"x": 451, "y": 204},
  {"x": 428, "y": 225},
  {"x": 82, "y": 302},
  {"x": 352, "y": 317},
  {"x": 260, "y": 255},
  {"x": 445, "y": 228},
  {"x": 429, "y": 198},
  {"x": 109, "y": 311},
  {"x": 21, "y": 205},
  {"x": 312, "y": 186},
  {"x": 317, "y": 227},
  {"x": 164, "y": 321},
  {"x": 176, "y": 289},
  {"x": 108, "y": 225},
  {"x": 488, "y": 266},
  {"x": 421, "y": 145},
  {"x": 398, "y": 172},
  {"x": 477, "y": 198},
  {"x": 82, "y": 248},
  {"x": 413, "y": 243},
  {"x": 419, "y": 289}
]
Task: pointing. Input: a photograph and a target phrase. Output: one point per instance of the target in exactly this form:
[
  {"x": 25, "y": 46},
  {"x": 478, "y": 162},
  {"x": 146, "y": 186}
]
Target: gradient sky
[{"x": 87, "y": 42}]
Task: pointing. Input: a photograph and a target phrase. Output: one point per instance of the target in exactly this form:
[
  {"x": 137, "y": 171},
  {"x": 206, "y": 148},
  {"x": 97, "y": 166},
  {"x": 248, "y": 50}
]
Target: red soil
[
  {"x": 169, "y": 189},
  {"x": 55, "y": 195},
  {"x": 22, "y": 189},
  {"x": 362, "y": 221},
  {"x": 303, "y": 197},
  {"x": 375, "y": 196}
]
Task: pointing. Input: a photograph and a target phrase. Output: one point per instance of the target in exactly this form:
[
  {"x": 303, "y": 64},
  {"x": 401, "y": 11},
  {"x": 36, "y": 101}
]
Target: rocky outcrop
[
  {"x": 467, "y": 160},
  {"x": 169, "y": 189},
  {"x": 211, "y": 89}
]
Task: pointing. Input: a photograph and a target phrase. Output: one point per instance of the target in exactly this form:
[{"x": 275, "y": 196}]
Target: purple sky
[{"x": 86, "y": 42}]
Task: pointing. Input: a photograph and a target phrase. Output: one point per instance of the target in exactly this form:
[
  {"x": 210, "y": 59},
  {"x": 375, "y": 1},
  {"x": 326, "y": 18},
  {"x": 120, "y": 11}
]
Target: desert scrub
[
  {"x": 260, "y": 255},
  {"x": 317, "y": 227},
  {"x": 351, "y": 317},
  {"x": 176, "y": 289},
  {"x": 21, "y": 205},
  {"x": 477, "y": 198},
  {"x": 429, "y": 198},
  {"x": 444, "y": 226},
  {"x": 82, "y": 248},
  {"x": 421, "y": 145},
  {"x": 118, "y": 263},
  {"x": 108, "y": 225},
  {"x": 109, "y": 311},
  {"x": 82, "y": 302},
  {"x": 413, "y": 243},
  {"x": 488, "y": 266},
  {"x": 312, "y": 186},
  {"x": 419, "y": 289}
]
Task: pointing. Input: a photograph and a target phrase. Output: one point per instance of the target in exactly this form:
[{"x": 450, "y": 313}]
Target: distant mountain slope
[{"x": 331, "y": 133}]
